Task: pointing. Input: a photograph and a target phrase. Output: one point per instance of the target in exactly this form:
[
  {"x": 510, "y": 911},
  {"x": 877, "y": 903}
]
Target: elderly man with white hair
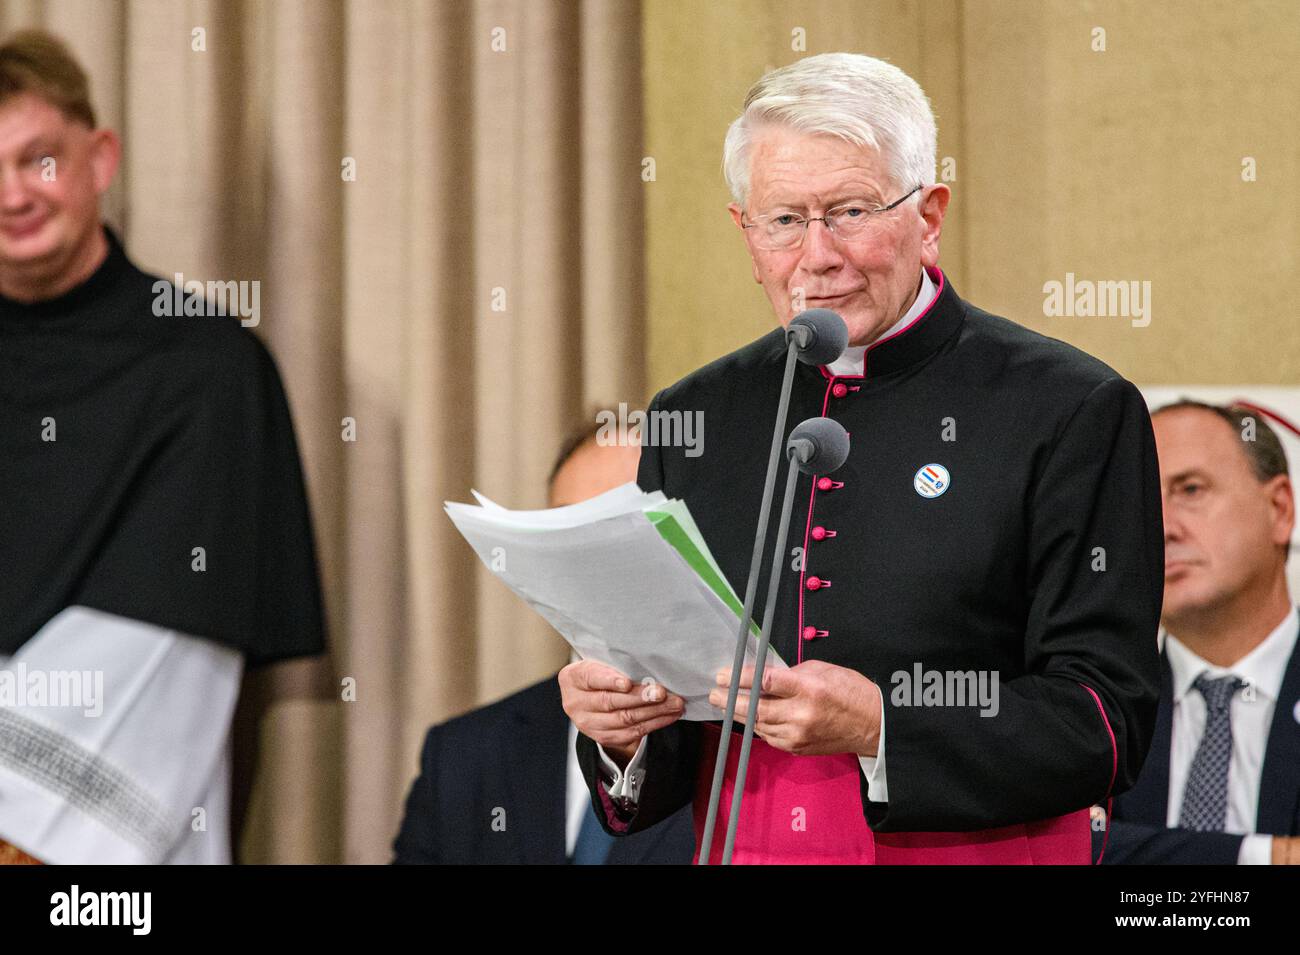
[{"x": 972, "y": 601}]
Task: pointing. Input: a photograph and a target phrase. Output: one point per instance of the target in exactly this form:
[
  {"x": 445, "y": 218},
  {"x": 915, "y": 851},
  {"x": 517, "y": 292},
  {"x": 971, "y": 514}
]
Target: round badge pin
[
  {"x": 1296, "y": 711},
  {"x": 931, "y": 480}
]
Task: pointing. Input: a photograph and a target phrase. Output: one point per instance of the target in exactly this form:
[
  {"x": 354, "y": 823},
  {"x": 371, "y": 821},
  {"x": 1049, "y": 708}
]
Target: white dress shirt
[
  {"x": 1251, "y": 713},
  {"x": 120, "y": 780},
  {"x": 628, "y": 782}
]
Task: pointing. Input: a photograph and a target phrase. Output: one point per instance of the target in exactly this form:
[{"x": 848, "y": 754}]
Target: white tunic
[{"x": 124, "y": 756}]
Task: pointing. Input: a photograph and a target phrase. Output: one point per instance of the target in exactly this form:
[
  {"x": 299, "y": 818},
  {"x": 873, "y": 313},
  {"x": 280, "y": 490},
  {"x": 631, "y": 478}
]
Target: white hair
[{"x": 862, "y": 100}]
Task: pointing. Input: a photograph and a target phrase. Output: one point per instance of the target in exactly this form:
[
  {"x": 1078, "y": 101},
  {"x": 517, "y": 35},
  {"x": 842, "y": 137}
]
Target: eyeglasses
[{"x": 849, "y": 221}]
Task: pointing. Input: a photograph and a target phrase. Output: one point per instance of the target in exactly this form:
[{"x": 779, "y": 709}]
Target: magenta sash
[{"x": 807, "y": 810}]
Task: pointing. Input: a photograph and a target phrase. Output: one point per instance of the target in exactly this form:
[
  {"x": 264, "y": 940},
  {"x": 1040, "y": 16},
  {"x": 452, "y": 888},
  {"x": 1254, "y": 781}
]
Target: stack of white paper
[{"x": 626, "y": 578}]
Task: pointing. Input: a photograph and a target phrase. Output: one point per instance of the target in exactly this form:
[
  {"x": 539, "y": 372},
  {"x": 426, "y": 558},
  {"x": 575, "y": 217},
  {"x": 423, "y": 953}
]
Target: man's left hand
[{"x": 813, "y": 709}]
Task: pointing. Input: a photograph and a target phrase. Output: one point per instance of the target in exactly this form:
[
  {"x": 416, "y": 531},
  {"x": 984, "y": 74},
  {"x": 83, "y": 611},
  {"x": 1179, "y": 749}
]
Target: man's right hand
[{"x": 614, "y": 711}]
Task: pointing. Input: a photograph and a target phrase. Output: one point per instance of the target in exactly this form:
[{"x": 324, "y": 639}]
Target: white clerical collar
[
  {"x": 852, "y": 361},
  {"x": 1264, "y": 667}
]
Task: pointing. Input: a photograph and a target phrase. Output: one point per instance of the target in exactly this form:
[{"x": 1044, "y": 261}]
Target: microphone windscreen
[
  {"x": 824, "y": 338},
  {"x": 829, "y": 444}
]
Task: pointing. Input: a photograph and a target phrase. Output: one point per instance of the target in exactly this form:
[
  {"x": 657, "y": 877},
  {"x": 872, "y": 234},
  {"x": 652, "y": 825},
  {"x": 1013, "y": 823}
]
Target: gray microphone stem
[
  {"x": 751, "y": 593},
  {"x": 792, "y": 476}
]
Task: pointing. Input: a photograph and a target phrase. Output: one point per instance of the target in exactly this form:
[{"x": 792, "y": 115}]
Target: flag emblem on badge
[{"x": 931, "y": 480}]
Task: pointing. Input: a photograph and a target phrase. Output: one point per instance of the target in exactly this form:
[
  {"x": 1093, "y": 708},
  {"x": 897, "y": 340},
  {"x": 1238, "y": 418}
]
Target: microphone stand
[
  {"x": 817, "y": 336},
  {"x": 792, "y": 476},
  {"x": 751, "y": 593}
]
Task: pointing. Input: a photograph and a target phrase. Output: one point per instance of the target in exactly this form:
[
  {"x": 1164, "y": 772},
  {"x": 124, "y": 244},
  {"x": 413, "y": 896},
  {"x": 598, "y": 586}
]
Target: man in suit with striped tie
[
  {"x": 501, "y": 784},
  {"x": 1221, "y": 783}
]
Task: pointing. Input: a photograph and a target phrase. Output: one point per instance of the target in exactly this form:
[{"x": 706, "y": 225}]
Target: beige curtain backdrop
[{"x": 475, "y": 288}]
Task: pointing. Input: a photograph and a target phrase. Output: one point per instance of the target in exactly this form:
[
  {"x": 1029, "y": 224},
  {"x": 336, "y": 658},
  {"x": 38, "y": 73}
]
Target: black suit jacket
[
  {"x": 492, "y": 790},
  {"x": 1138, "y": 834}
]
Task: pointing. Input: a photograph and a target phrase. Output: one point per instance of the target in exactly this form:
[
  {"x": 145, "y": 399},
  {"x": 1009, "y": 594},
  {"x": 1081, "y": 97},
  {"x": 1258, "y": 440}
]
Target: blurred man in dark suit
[
  {"x": 501, "y": 784},
  {"x": 1221, "y": 783}
]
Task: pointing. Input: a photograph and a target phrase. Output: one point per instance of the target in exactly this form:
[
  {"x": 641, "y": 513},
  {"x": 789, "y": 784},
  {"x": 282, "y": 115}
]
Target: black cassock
[
  {"x": 130, "y": 439},
  {"x": 1040, "y": 557}
]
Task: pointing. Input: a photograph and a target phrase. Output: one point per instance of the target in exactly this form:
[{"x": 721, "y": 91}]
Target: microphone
[
  {"x": 820, "y": 334},
  {"x": 815, "y": 337},
  {"x": 816, "y": 446}
]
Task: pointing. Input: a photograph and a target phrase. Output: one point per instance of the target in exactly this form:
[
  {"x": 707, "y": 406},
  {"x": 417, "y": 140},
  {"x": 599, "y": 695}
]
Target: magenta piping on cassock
[{"x": 1114, "y": 768}]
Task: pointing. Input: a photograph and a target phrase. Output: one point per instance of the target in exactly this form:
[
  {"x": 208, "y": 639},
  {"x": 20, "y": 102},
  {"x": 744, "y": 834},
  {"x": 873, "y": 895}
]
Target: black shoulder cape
[{"x": 129, "y": 440}]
